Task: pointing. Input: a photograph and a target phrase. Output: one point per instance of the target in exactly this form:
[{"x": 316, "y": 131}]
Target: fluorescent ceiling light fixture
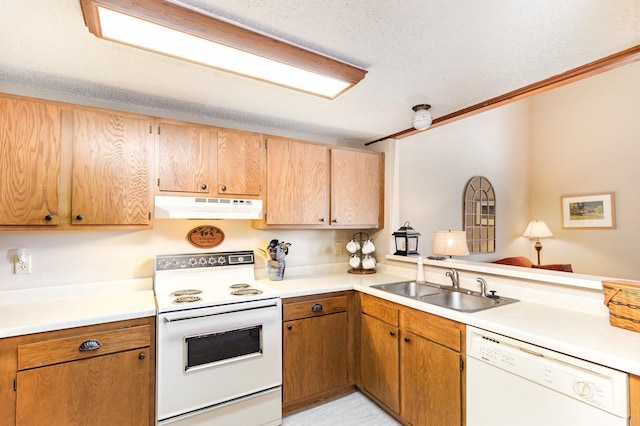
[{"x": 173, "y": 30}]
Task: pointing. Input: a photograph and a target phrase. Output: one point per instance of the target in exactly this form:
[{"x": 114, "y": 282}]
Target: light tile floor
[{"x": 350, "y": 410}]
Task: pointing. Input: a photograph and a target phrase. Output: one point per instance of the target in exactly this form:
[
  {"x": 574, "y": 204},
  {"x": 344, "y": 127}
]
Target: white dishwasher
[{"x": 510, "y": 382}]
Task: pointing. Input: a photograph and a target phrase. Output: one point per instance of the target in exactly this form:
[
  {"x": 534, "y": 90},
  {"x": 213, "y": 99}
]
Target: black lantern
[{"x": 406, "y": 240}]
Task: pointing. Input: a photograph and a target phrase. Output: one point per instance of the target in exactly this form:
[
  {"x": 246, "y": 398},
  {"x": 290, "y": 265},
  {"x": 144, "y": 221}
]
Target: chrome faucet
[
  {"x": 455, "y": 278},
  {"x": 483, "y": 287}
]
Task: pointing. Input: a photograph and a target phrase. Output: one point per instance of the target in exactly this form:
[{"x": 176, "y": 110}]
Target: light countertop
[
  {"x": 574, "y": 333},
  {"x": 578, "y": 334},
  {"x": 46, "y": 309}
]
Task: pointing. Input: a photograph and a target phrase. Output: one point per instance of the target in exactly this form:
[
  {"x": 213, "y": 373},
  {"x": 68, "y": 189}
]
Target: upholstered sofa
[{"x": 526, "y": 263}]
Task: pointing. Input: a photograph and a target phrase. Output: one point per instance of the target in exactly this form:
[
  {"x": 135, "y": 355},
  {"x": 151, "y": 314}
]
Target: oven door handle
[{"x": 272, "y": 305}]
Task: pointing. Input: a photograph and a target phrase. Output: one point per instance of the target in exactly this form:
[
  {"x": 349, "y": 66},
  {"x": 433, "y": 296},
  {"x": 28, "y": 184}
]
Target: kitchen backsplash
[{"x": 70, "y": 257}]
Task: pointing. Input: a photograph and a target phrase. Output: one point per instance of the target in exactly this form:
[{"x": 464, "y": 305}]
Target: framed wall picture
[{"x": 591, "y": 211}]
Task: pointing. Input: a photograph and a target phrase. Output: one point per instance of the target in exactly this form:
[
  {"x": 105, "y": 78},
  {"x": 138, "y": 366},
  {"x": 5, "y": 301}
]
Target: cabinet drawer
[
  {"x": 437, "y": 329},
  {"x": 377, "y": 308},
  {"x": 68, "y": 349},
  {"x": 313, "y": 308}
]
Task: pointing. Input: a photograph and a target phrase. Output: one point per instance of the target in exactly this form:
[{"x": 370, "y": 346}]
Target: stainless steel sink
[
  {"x": 465, "y": 302},
  {"x": 410, "y": 289},
  {"x": 457, "y": 299}
]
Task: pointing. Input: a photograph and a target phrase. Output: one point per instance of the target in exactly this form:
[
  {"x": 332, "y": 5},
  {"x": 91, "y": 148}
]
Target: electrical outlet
[
  {"x": 338, "y": 248},
  {"x": 22, "y": 264}
]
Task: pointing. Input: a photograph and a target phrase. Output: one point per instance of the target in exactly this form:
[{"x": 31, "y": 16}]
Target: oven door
[{"x": 211, "y": 355}]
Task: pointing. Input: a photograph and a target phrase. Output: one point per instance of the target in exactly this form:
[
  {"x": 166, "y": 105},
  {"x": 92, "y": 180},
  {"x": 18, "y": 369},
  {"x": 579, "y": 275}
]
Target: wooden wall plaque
[{"x": 205, "y": 236}]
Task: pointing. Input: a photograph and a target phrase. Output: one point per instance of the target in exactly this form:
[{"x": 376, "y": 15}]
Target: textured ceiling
[{"x": 448, "y": 53}]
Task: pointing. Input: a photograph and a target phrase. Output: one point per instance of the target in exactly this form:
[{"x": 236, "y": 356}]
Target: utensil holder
[{"x": 275, "y": 270}]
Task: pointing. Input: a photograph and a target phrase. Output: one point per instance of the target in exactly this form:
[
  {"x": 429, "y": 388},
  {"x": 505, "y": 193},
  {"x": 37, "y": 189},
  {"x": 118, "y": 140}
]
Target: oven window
[{"x": 217, "y": 347}]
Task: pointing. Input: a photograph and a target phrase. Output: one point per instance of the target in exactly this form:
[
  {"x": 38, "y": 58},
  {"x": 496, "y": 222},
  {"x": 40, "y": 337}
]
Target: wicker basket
[{"x": 623, "y": 300}]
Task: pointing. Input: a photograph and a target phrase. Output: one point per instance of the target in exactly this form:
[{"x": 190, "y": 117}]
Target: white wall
[
  {"x": 71, "y": 257},
  {"x": 580, "y": 138},
  {"x": 436, "y": 165},
  {"x": 526, "y": 149},
  {"x": 586, "y": 139}
]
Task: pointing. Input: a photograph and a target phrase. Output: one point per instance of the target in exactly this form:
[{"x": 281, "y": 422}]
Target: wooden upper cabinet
[
  {"x": 239, "y": 163},
  {"x": 297, "y": 183},
  {"x": 111, "y": 169},
  {"x": 318, "y": 186},
  {"x": 30, "y": 138},
  {"x": 356, "y": 192},
  {"x": 184, "y": 157}
]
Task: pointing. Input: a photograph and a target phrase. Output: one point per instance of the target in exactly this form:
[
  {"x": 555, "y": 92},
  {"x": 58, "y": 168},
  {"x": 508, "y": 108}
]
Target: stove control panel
[{"x": 167, "y": 262}]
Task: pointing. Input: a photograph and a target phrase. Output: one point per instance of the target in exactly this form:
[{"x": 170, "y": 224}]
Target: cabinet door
[
  {"x": 431, "y": 383},
  {"x": 315, "y": 356},
  {"x": 297, "y": 183},
  {"x": 29, "y": 162},
  {"x": 104, "y": 390},
  {"x": 379, "y": 361},
  {"x": 184, "y": 158},
  {"x": 111, "y": 169},
  {"x": 355, "y": 188},
  {"x": 239, "y": 166}
]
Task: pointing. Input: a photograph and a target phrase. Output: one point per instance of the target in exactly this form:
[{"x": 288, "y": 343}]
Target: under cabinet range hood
[{"x": 167, "y": 207}]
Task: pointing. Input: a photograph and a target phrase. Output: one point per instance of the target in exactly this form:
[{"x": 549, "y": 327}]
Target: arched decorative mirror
[{"x": 480, "y": 215}]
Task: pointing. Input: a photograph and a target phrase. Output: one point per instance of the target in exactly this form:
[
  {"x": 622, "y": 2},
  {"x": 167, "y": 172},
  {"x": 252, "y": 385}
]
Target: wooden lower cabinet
[
  {"x": 411, "y": 362},
  {"x": 317, "y": 360},
  {"x": 56, "y": 383},
  {"x": 379, "y": 359}
]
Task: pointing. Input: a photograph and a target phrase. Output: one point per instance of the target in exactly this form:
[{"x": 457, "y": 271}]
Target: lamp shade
[
  {"x": 450, "y": 243},
  {"x": 537, "y": 229}
]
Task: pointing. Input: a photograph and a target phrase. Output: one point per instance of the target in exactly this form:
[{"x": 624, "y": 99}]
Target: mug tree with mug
[{"x": 361, "y": 259}]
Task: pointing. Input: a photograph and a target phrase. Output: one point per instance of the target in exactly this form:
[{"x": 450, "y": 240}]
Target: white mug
[
  {"x": 354, "y": 261},
  {"x": 368, "y": 247},
  {"x": 369, "y": 262},
  {"x": 353, "y": 246}
]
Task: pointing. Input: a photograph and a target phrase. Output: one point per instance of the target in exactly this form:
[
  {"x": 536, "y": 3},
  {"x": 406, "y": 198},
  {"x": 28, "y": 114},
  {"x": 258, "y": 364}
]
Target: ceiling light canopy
[
  {"x": 422, "y": 117},
  {"x": 173, "y": 30}
]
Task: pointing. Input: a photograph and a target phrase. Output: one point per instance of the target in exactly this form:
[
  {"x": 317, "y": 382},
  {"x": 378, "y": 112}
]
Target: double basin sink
[{"x": 449, "y": 297}]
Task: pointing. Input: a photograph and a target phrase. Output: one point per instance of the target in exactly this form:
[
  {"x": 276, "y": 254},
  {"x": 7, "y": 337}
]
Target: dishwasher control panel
[{"x": 594, "y": 384}]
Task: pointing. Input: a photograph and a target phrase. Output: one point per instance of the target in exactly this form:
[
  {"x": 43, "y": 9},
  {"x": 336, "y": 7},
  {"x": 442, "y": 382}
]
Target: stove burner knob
[
  {"x": 212, "y": 260},
  {"x": 222, "y": 260},
  {"x": 240, "y": 259},
  {"x": 203, "y": 261},
  {"x": 192, "y": 261}
]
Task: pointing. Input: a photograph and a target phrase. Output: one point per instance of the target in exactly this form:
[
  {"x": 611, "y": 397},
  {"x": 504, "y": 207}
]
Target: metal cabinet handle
[
  {"x": 334, "y": 221},
  {"x": 321, "y": 220},
  {"x": 142, "y": 356},
  {"x": 203, "y": 186},
  {"x": 79, "y": 217},
  {"x": 406, "y": 339},
  {"x": 48, "y": 218},
  {"x": 392, "y": 333},
  {"x": 223, "y": 188},
  {"x": 89, "y": 345},
  {"x": 316, "y": 308},
  {"x": 289, "y": 327}
]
